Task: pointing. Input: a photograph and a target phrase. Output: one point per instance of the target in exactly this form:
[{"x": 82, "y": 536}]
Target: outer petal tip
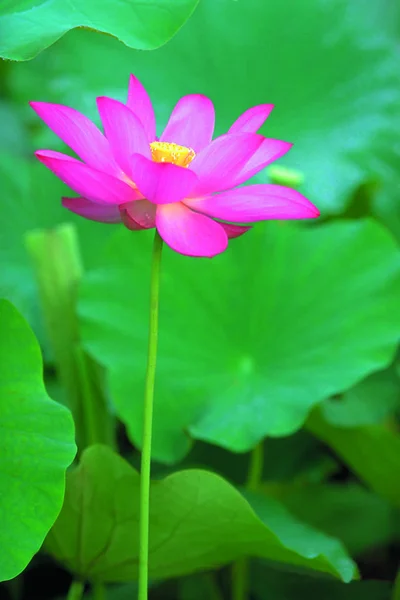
[
  {"x": 45, "y": 156},
  {"x": 268, "y": 151},
  {"x": 140, "y": 103},
  {"x": 252, "y": 119},
  {"x": 100, "y": 100},
  {"x": 191, "y": 122},
  {"x": 219, "y": 165},
  {"x": 123, "y": 130},
  {"x": 79, "y": 133},
  {"x": 280, "y": 147},
  {"x": 90, "y": 183},
  {"x": 37, "y": 105},
  {"x": 254, "y": 203}
]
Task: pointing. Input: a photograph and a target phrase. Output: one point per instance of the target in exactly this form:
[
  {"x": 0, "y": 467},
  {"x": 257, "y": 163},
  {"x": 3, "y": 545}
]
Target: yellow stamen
[{"x": 172, "y": 153}]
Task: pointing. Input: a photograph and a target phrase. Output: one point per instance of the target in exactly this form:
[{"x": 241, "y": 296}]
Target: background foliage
[{"x": 286, "y": 343}]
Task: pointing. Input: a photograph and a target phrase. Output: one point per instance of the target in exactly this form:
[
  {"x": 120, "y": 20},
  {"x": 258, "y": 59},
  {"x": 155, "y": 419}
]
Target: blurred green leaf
[
  {"x": 57, "y": 265},
  {"x": 36, "y": 446},
  {"x": 396, "y": 590},
  {"x": 371, "y": 401},
  {"x": 387, "y": 201},
  {"x": 331, "y": 72},
  {"x": 199, "y": 587},
  {"x": 16, "y": 282},
  {"x": 271, "y": 585},
  {"x": 197, "y": 521},
  {"x": 31, "y": 199},
  {"x": 29, "y": 26},
  {"x": 249, "y": 341},
  {"x": 299, "y": 457},
  {"x": 372, "y": 452},
  {"x": 13, "y": 135},
  {"x": 126, "y": 591},
  {"x": 357, "y": 517}
]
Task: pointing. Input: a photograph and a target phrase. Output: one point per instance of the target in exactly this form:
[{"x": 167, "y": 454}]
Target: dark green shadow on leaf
[{"x": 371, "y": 452}]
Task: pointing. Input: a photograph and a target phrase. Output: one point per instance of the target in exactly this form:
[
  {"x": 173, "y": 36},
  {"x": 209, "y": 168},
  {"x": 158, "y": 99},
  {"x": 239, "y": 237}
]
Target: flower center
[{"x": 171, "y": 153}]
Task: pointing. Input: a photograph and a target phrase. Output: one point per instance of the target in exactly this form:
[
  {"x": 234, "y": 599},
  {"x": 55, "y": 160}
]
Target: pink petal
[
  {"x": 139, "y": 102},
  {"x": 105, "y": 213},
  {"x": 269, "y": 151},
  {"x": 128, "y": 221},
  {"x": 188, "y": 232},
  {"x": 142, "y": 212},
  {"x": 88, "y": 182},
  {"x": 124, "y": 131},
  {"x": 252, "y": 119},
  {"x": 161, "y": 183},
  {"x": 256, "y": 203},
  {"x": 57, "y": 155},
  {"x": 218, "y": 165},
  {"x": 191, "y": 122},
  {"x": 79, "y": 133},
  {"x": 234, "y": 231}
]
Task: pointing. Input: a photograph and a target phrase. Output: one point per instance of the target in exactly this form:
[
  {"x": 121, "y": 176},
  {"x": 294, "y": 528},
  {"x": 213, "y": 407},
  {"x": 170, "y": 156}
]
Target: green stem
[
  {"x": 58, "y": 271},
  {"x": 99, "y": 591},
  {"x": 396, "y": 589},
  {"x": 97, "y": 422},
  {"x": 14, "y": 587},
  {"x": 240, "y": 569},
  {"x": 148, "y": 420},
  {"x": 76, "y": 590},
  {"x": 240, "y": 579},
  {"x": 256, "y": 467}
]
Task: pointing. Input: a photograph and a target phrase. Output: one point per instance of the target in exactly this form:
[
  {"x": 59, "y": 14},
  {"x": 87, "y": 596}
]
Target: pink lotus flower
[{"x": 184, "y": 183}]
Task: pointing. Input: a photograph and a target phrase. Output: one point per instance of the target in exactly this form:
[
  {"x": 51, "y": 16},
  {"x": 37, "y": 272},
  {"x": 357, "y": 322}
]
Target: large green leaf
[
  {"x": 29, "y": 26},
  {"x": 372, "y": 452},
  {"x": 197, "y": 521},
  {"x": 293, "y": 533},
  {"x": 251, "y": 340},
  {"x": 331, "y": 72},
  {"x": 36, "y": 446}
]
